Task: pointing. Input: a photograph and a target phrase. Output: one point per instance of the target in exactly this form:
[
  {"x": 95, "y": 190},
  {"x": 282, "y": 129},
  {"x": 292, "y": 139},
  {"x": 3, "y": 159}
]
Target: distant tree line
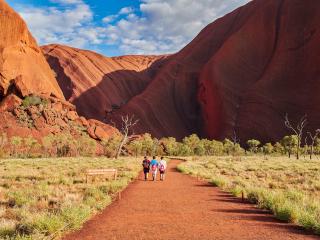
[{"x": 64, "y": 145}]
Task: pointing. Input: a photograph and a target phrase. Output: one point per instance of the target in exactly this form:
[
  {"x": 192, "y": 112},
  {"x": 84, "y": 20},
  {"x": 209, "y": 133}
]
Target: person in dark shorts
[
  {"x": 146, "y": 167},
  {"x": 162, "y": 168}
]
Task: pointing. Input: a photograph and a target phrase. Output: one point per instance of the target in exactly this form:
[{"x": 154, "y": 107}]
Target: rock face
[
  {"x": 47, "y": 116},
  {"x": 267, "y": 66},
  {"x": 22, "y": 64},
  {"x": 97, "y": 85},
  {"x": 31, "y": 101},
  {"x": 241, "y": 75}
]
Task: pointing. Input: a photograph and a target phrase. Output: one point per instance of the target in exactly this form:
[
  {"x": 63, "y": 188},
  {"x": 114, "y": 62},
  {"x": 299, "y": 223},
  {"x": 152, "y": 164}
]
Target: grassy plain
[
  {"x": 43, "y": 198},
  {"x": 287, "y": 187}
]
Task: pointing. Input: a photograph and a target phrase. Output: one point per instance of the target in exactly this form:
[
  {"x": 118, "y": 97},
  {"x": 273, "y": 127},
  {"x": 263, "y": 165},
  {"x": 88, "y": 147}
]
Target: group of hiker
[{"x": 154, "y": 165}]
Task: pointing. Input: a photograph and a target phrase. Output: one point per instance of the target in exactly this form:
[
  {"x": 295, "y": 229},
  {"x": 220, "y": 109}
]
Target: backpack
[
  {"x": 154, "y": 167},
  {"x": 146, "y": 164},
  {"x": 162, "y": 168}
]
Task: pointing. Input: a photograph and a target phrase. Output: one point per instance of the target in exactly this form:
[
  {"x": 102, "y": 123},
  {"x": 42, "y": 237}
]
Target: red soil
[{"x": 183, "y": 208}]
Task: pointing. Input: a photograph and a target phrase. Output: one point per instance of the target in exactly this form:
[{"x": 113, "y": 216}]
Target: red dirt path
[{"x": 183, "y": 208}]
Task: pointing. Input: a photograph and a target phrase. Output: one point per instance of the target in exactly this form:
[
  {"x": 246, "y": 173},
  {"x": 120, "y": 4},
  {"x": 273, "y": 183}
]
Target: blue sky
[{"x": 117, "y": 27}]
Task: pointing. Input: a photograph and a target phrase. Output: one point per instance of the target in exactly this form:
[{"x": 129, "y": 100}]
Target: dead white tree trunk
[
  {"x": 127, "y": 124},
  {"x": 313, "y": 139},
  {"x": 297, "y": 130},
  {"x": 235, "y": 141}
]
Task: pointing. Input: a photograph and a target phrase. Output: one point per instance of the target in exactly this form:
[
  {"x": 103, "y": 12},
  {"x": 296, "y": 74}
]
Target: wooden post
[{"x": 242, "y": 196}]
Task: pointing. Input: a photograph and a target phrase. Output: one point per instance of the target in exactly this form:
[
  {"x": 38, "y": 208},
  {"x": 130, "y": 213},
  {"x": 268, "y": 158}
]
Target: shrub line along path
[{"x": 183, "y": 208}]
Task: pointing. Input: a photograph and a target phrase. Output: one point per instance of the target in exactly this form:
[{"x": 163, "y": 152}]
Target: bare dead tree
[
  {"x": 297, "y": 130},
  {"x": 235, "y": 141},
  {"x": 313, "y": 138},
  {"x": 126, "y": 129}
]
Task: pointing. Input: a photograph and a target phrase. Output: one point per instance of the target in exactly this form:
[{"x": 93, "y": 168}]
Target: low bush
[{"x": 31, "y": 101}]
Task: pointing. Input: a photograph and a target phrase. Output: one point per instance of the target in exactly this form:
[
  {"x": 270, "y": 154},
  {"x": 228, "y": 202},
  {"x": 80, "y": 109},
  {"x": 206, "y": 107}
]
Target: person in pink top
[{"x": 162, "y": 168}]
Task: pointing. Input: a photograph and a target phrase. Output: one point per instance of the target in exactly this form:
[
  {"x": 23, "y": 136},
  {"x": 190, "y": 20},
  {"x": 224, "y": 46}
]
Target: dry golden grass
[
  {"x": 41, "y": 198},
  {"x": 289, "y": 188}
]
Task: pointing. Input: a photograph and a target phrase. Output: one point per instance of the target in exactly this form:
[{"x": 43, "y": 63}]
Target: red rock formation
[
  {"x": 266, "y": 68},
  {"x": 31, "y": 101},
  {"x": 98, "y": 84},
  {"x": 241, "y": 74},
  {"x": 22, "y": 64},
  {"x": 50, "y": 116}
]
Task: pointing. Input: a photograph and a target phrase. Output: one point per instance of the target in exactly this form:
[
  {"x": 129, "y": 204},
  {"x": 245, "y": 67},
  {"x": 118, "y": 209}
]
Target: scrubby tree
[
  {"x": 228, "y": 146},
  {"x": 253, "y": 145},
  {"x": 147, "y": 144},
  {"x": 126, "y": 129},
  {"x": 298, "y": 131},
  {"x": 278, "y": 148},
  {"x": 200, "y": 149},
  {"x": 184, "y": 150},
  {"x": 16, "y": 145},
  {"x": 313, "y": 138},
  {"x": 170, "y": 146},
  {"x": 49, "y": 148},
  {"x": 267, "y": 148},
  {"x": 216, "y": 148},
  {"x": 111, "y": 145},
  {"x": 193, "y": 141},
  {"x": 317, "y": 146},
  {"x": 289, "y": 143},
  {"x": 157, "y": 147},
  {"x": 86, "y": 146},
  {"x": 212, "y": 148},
  {"x": 30, "y": 144},
  {"x": 136, "y": 147}
]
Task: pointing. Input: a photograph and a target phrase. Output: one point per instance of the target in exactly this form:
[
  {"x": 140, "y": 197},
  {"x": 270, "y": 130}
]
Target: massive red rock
[
  {"x": 241, "y": 75},
  {"x": 31, "y": 101},
  {"x": 22, "y": 64},
  {"x": 97, "y": 85}
]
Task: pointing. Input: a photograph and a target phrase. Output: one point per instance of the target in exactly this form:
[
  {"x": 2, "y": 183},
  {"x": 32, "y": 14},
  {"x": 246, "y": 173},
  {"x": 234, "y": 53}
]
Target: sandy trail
[{"x": 183, "y": 208}]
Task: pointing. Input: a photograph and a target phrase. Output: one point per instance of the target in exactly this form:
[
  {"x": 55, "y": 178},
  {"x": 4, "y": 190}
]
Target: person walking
[
  {"x": 154, "y": 168},
  {"x": 162, "y": 168},
  {"x": 146, "y": 167}
]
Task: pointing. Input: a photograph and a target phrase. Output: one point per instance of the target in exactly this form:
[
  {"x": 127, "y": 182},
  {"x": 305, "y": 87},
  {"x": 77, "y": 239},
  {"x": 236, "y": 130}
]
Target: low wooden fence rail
[{"x": 102, "y": 172}]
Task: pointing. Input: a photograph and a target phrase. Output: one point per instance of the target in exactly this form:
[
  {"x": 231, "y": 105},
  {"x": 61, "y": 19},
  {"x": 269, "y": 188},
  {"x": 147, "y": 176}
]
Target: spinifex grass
[
  {"x": 42, "y": 198},
  {"x": 289, "y": 188}
]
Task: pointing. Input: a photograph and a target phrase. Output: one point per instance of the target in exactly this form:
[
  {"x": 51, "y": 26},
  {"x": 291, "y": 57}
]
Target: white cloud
[
  {"x": 166, "y": 25},
  {"x": 67, "y": 2},
  {"x": 126, "y": 10},
  {"x": 70, "y": 23},
  {"x": 155, "y": 27},
  {"x": 109, "y": 18}
]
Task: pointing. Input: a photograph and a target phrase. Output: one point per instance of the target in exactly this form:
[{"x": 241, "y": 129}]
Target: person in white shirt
[{"x": 162, "y": 168}]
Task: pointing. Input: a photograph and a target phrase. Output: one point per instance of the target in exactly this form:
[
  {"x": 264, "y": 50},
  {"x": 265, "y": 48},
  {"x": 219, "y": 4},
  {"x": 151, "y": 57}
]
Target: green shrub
[
  {"x": 219, "y": 182},
  {"x": 7, "y": 231},
  {"x": 31, "y": 101},
  {"x": 75, "y": 216},
  {"x": 19, "y": 198},
  {"x": 286, "y": 211},
  {"x": 47, "y": 223}
]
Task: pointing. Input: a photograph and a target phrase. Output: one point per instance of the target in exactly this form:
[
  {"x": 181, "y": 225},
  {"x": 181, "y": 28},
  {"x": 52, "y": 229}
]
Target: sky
[{"x": 118, "y": 27}]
